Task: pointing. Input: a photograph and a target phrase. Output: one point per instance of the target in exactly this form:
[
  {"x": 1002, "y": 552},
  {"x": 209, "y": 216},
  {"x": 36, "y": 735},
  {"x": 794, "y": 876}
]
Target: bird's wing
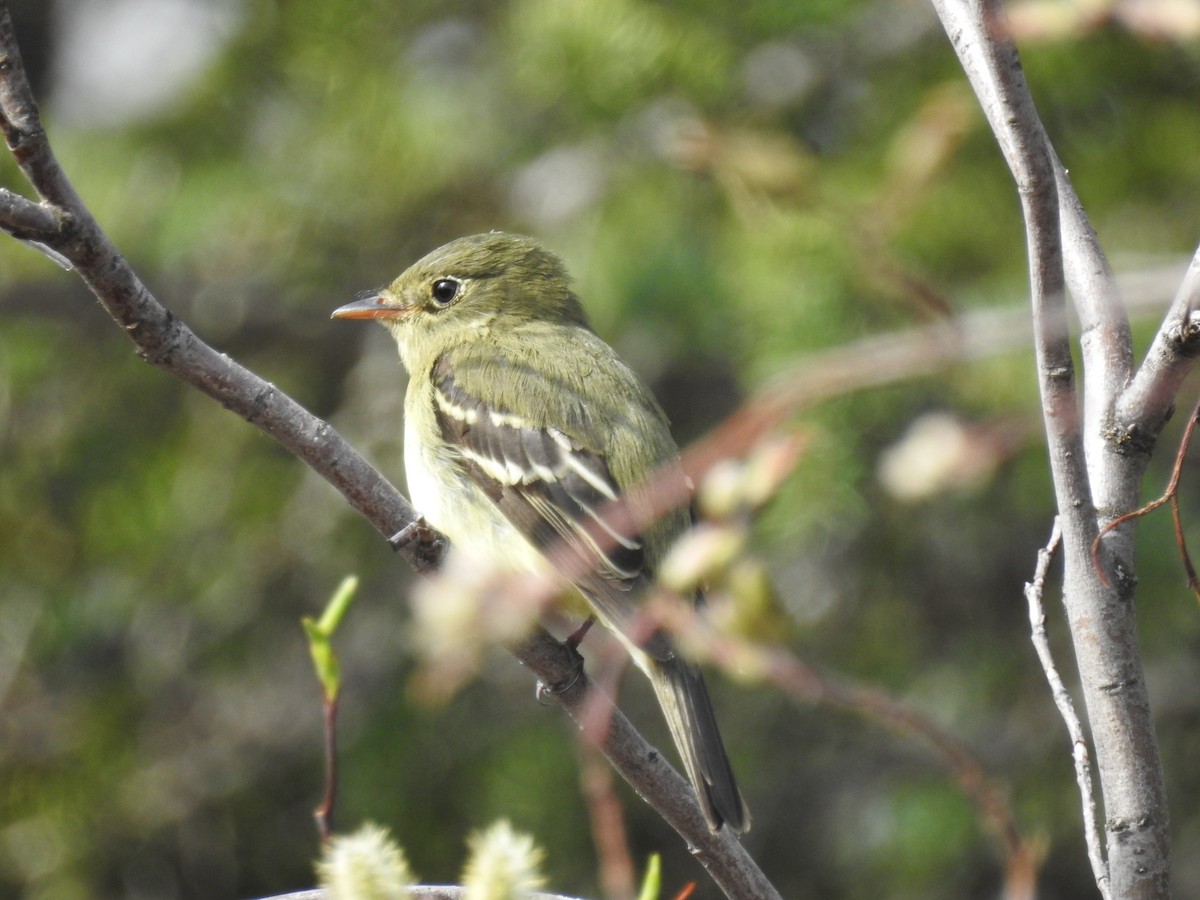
[{"x": 550, "y": 486}]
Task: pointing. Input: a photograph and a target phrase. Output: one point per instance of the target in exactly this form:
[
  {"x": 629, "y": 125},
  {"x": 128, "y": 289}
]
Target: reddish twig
[
  {"x": 783, "y": 669},
  {"x": 324, "y": 813},
  {"x": 618, "y": 876},
  {"x": 1170, "y": 495}
]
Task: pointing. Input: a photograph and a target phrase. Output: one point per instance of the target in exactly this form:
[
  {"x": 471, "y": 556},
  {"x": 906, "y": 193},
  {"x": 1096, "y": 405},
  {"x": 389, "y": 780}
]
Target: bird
[{"x": 521, "y": 426}]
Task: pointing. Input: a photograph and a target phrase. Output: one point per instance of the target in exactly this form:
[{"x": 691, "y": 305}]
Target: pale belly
[
  {"x": 476, "y": 528},
  {"x": 465, "y": 515}
]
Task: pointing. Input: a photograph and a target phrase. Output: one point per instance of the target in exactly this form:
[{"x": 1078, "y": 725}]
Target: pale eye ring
[{"x": 445, "y": 291}]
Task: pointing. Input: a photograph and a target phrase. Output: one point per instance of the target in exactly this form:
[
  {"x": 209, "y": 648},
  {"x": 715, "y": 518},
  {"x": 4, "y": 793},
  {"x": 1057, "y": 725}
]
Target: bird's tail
[{"x": 689, "y": 713}]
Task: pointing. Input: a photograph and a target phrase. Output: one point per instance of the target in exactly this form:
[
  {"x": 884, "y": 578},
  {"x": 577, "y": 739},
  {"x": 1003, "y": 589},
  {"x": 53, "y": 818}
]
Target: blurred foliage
[{"x": 733, "y": 186}]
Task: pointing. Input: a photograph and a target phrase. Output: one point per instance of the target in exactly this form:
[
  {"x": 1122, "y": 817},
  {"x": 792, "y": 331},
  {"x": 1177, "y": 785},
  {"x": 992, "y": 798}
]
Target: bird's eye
[{"x": 445, "y": 290}]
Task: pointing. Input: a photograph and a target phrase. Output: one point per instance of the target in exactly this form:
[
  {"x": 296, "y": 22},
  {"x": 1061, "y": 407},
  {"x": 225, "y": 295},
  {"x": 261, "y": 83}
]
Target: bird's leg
[{"x": 575, "y": 638}]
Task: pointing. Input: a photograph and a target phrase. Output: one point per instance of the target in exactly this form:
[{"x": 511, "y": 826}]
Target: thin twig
[
  {"x": 324, "y": 812},
  {"x": 1034, "y": 591},
  {"x": 22, "y": 218},
  {"x": 1143, "y": 408},
  {"x": 618, "y": 876}
]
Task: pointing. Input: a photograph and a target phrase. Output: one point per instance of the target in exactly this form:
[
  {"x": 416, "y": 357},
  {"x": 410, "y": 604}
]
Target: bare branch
[
  {"x": 1105, "y": 337},
  {"x": 1034, "y": 591},
  {"x": 1105, "y": 340},
  {"x": 1146, "y": 404},
  {"x": 24, "y": 219},
  {"x": 1100, "y": 614},
  {"x": 978, "y": 32},
  {"x": 31, "y": 224},
  {"x": 1170, "y": 495},
  {"x": 164, "y": 340}
]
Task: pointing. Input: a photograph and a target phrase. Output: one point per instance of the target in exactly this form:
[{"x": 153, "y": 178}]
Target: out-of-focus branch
[
  {"x": 618, "y": 876},
  {"x": 774, "y": 665},
  {"x": 1099, "y": 609},
  {"x": 647, "y": 771},
  {"x": 781, "y": 668}
]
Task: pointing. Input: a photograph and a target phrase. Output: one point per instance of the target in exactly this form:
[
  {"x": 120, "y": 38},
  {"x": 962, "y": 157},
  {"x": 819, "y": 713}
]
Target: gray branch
[
  {"x": 1144, "y": 406},
  {"x": 24, "y": 219},
  {"x": 1108, "y": 475}
]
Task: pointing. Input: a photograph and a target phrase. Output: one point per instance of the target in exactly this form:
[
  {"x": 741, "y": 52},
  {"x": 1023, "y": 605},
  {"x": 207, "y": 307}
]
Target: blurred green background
[{"x": 733, "y": 187}]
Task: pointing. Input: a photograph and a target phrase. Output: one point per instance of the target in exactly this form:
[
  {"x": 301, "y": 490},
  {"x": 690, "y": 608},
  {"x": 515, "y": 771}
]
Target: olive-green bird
[{"x": 520, "y": 426}]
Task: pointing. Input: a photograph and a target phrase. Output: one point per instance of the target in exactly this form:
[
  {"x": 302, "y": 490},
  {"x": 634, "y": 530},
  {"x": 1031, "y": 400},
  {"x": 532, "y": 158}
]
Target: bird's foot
[
  {"x": 411, "y": 531},
  {"x": 542, "y": 692},
  {"x": 431, "y": 545}
]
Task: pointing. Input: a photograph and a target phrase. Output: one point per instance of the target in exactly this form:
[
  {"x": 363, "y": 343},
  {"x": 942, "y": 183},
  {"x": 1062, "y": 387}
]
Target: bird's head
[{"x": 468, "y": 288}]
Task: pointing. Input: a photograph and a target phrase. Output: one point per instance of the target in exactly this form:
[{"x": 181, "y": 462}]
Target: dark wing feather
[{"x": 552, "y": 488}]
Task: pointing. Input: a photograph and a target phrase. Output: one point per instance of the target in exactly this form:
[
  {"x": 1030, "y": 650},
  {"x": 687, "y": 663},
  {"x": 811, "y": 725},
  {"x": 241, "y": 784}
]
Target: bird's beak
[{"x": 371, "y": 306}]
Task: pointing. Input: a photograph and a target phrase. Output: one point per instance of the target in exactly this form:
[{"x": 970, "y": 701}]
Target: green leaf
[{"x": 320, "y": 637}]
